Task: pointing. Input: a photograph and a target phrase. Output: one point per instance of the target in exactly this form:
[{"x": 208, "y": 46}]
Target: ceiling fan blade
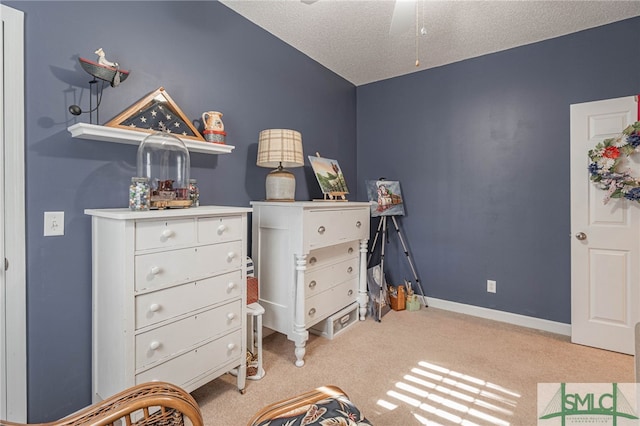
[{"x": 403, "y": 16}]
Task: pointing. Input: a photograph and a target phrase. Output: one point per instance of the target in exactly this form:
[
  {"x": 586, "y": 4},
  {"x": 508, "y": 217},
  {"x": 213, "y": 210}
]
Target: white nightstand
[{"x": 254, "y": 343}]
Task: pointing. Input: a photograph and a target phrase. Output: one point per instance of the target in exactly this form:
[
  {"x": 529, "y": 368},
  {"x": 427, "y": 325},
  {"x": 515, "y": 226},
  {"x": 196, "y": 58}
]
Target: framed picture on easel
[
  {"x": 330, "y": 177},
  {"x": 385, "y": 198}
]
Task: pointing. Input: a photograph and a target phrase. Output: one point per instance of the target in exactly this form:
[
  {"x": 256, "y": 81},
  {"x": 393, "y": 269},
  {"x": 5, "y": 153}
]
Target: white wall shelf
[{"x": 133, "y": 137}]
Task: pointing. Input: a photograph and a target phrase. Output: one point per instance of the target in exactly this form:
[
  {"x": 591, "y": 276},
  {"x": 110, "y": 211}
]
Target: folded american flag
[{"x": 158, "y": 116}]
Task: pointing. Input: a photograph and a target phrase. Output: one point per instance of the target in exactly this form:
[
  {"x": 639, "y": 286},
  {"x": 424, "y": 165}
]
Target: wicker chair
[{"x": 147, "y": 404}]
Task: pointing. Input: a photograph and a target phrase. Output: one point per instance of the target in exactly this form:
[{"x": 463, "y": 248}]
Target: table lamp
[{"x": 280, "y": 148}]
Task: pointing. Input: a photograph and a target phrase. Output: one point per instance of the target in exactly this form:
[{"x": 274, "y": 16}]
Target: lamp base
[{"x": 280, "y": 185}]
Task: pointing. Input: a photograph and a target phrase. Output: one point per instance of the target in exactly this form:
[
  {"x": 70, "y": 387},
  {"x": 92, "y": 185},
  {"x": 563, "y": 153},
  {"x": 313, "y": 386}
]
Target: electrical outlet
[
  {"x": 491, "y": 286},
  {"x": 53, "y": 223}
]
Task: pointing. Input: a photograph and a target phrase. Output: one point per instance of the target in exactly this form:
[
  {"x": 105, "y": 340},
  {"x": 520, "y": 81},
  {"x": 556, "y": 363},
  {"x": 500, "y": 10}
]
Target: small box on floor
[
  {"x": 336, "y": 323},
  {"x": 413, "y": 303}
]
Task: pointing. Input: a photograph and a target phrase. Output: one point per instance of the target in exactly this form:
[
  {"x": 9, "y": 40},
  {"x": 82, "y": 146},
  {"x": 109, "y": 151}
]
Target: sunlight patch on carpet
[{"x": 446, "y": 397}]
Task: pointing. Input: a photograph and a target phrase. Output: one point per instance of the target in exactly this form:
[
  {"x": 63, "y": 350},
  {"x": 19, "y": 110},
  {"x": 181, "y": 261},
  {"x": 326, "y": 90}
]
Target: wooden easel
[
  {"x": 382, "y": 232},
  {"x": 334, "y": 196}
]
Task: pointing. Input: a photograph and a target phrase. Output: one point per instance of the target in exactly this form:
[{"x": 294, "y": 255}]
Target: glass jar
[
  {"x": 194, "y": 193},
  {"x": 164, "y": 159},
  {"x": 139, "y": 194}
]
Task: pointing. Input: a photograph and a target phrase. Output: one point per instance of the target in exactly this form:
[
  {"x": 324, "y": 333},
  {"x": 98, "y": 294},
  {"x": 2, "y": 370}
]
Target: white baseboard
[{"x": 508, "y": 317}]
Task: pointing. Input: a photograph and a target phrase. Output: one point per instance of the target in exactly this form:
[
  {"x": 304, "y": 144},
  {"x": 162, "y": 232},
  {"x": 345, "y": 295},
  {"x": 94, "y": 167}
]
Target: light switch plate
[{"x": 53, "y": 224}]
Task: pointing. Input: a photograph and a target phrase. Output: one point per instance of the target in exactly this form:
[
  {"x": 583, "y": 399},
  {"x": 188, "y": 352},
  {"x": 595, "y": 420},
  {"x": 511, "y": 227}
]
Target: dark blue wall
[
  {"x": 207, "y": 58},
  {"x": 481, "y": 149}
]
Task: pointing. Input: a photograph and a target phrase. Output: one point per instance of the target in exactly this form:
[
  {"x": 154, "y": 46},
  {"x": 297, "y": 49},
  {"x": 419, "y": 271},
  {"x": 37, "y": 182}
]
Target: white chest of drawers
[
  {"x": 310, "y": 262},
  {"x": 169, "y": 296}
]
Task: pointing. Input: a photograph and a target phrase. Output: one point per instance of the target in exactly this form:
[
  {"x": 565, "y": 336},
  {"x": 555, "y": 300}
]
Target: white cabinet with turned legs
[
  {"x": 169, "y": 296},
  {"x": 310, "y": 260}
]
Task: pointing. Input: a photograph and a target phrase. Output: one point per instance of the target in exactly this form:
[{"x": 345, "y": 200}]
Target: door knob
[{"x": 581, "y": 236}]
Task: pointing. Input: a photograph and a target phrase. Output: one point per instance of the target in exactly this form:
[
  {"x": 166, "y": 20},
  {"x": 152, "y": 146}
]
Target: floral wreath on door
[{"x": 607, "y": 161}]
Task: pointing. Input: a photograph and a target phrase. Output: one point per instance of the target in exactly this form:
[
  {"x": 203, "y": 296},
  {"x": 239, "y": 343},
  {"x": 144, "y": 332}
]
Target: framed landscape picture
[
  {"x": 329, "y": 175},
  {"x": 385, "y": 198}
]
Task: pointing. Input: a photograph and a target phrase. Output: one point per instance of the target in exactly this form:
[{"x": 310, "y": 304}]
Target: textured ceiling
[{"x": 353, "y": 38}]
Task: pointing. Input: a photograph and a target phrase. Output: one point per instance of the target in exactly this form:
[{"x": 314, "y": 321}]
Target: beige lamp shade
[{"x": 280, "y": 148}]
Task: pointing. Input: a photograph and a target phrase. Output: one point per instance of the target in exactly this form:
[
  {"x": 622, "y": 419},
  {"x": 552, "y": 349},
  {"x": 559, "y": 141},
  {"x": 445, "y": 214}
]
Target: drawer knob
[
  {"x": 350, "y": 250},
  {"x": 154, "y": 307},
  {"x": 231, "y": 346},
  {"x": 321, "y": 230},
  {"x": 231, "y": 285},
  {"x": 313, "y": 260},
  {"x": 154, "y": 345},
  {"x": 231, "y": 255},
  {"x": 350, "y": 269},
  {"x": 231, "y": 316},
  {"x": 350, "y": 292},
  {"x": 312, "y": 284},
  {"x": 222, "y": 228},
  {"x": 155, "y": 270},
  {"x": 358, "y": 224},
  {"x": 312, "y": 312},
  {"x": 166, "y": 234}
]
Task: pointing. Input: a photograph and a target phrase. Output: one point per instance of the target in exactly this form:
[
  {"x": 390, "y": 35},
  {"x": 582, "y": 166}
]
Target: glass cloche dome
[{"x": 164, "y": 160}]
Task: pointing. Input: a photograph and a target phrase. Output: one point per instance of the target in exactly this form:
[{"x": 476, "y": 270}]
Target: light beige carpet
[{"x": 426, "y": 367}]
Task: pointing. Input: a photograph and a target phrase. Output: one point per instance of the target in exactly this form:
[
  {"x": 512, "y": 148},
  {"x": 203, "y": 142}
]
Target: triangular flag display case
[{"x": 156, "y": 112}]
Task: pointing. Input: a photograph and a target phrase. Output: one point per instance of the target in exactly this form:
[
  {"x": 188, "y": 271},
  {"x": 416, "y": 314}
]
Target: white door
[
  {"x": 13, "y": 330},
  {"x": 605, "y": 240}
]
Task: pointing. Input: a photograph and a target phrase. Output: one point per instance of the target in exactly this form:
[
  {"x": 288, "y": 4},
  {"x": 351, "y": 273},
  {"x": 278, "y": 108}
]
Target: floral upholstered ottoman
[{"x": 323, "y": 405}]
